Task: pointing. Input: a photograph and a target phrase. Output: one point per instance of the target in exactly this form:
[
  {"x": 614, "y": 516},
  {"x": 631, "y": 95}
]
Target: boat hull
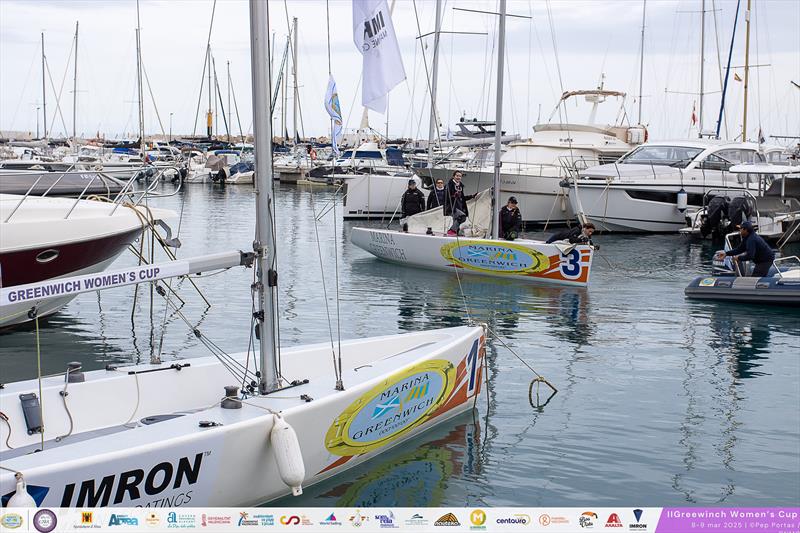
[
  {"x": 396, "y": 387},
  {"x": 765, "y": 291},
  {"x": 523, "y": 260}
]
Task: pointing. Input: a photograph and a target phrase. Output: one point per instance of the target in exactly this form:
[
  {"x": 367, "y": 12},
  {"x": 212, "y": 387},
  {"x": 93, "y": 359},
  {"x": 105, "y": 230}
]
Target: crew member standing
[
  {"x": 436, "y": 196},
  {"x": 455, "y": 202},
  {"x": 413, "y": 201},
  {"x": 510, "y": 220}
]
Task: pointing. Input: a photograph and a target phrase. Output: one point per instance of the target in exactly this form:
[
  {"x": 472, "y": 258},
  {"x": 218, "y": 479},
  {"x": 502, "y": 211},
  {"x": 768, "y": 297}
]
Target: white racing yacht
[{"x": 650, "y": 188}]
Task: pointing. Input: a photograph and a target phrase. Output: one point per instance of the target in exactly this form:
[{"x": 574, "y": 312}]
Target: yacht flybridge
[
  {"x": 533, "y": 169},
  {"x": 649, "y": 189},
  {"x": 183, "y": 432}
]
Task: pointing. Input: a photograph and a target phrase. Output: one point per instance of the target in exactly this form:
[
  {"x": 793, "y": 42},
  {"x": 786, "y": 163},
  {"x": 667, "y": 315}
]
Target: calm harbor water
[{"x": 662, "y": 401}]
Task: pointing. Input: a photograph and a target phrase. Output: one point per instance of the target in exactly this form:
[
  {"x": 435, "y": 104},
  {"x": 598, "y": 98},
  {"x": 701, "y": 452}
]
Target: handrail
[{"x": 127, "y": 189}]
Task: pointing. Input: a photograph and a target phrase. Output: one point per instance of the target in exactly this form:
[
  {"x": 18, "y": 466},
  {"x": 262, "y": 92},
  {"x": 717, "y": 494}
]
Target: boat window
[
  {"x": 675, "y": 156},
  {"x": 715, "y": 162}
]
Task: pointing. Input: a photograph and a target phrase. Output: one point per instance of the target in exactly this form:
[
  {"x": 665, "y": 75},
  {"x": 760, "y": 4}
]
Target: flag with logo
[
  {"x": 374, "y": 36},
  {"x": 335, "y": 111}
]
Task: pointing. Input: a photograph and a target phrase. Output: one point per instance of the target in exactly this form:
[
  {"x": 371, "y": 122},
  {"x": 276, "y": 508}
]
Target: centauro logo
[
  {"x": 400, "y": 403},
  {"x": 505, "y": 258}
]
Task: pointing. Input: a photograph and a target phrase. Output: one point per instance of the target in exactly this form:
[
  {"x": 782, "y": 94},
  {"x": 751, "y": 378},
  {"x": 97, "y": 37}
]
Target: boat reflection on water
[
  {"x": 435, "y": 299},
  {"x": 743, "y": 334},
  {"x": 414, "y": 474}
]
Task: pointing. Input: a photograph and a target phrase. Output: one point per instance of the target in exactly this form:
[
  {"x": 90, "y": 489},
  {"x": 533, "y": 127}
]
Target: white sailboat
[
  {"x": 182, "y": 433},
  {"x": 523, "y": 259}
]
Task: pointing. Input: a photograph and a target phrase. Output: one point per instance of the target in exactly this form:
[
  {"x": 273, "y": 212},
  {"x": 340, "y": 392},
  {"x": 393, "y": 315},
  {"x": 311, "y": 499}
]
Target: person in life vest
[
  {"x": 455, "y": 202},
  {"x": 436, "y": 196},
  {"x": 576, "y": 235},
  {"x": 412, "y": 201},
  {"x": 752, "y": 248},
  {"x": 510, "y": 220}
]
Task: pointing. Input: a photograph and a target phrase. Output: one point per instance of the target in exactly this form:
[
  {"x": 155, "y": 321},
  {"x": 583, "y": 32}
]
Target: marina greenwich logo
[{"x": 394, "y": 407}]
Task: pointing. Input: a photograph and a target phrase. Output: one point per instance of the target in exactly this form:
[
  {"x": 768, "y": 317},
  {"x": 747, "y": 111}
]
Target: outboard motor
[
  {"x": 739, "y": 210},
  {"x": 717, "y": 208}
]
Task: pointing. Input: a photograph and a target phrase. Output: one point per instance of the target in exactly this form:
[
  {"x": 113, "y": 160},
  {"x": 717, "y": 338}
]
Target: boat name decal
[
  {"x": 128, "y": 486},
  {"x": 398, "y": 404},
  {"x": 503, "y": 258}
]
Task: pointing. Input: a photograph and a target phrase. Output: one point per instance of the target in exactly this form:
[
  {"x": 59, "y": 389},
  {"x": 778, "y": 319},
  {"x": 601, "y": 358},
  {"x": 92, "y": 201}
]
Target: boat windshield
[{"x": 673, "y": 156}]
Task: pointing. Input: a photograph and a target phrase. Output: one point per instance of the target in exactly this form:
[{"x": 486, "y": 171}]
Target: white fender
[
  {"x": 683, "y": 200},
  {"x": 288, "y": 455},
  {"x": 21, "y": 498}
]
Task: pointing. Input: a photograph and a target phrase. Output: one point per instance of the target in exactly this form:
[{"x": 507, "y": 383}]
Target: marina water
[{"x": 662, "y": 401}]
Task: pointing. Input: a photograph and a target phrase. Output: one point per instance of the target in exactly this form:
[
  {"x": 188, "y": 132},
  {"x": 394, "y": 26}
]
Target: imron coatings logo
[
  {"x": 400, "y": 403},
  {"x": 505, "y": 258}
]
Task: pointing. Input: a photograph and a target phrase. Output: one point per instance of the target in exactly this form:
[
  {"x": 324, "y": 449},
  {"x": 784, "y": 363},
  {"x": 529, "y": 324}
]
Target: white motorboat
[
  {"x": 368, "y": 158},
  {"x": 182, "y": 433},
  {"x": 371, "y": 196},
  {"x": 47, "y": 238},
  {"x": 532, "y": 169},
  {"x": 649, "y": 189}
]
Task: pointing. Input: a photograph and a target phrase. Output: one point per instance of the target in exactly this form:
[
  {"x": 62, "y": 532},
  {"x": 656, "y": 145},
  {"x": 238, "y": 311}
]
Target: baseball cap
[{"x": 746, "y": 225}]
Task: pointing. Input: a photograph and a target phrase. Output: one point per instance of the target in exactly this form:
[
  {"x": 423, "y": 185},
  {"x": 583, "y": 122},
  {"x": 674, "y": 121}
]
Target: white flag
[
  {"x": 374, "y": 36},
  {"x": 335, "y": 111}
]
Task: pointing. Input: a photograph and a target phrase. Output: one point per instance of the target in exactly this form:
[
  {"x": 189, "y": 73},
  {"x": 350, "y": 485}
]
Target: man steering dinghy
[{"x": 752, "y": 248}]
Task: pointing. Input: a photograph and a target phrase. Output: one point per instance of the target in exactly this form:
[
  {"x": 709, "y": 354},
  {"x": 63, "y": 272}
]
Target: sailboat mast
[
  {"x": 75, "y": 93},
  {"x": 746, "y": 69},
  {"x": 139, "y": 80},
  {"x": 432, "y": 130},
  {"x": 702, "y": 64},
  {"x": 209, "y": 113},
  {"x": 44, "y": 91},
  {"x": 296, "y": 96},
  {"x": 264, "y": 245},
  {"x": 641, "y": 61},
  {"x": 230, "y": 111},
  {"x": 498, "y": 118}
]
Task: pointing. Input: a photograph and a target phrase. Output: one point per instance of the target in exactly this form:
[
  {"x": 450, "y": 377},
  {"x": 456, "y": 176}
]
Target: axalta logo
[
  {"x": 132, "y": 485},
  {"x": 613, "y": 520}
]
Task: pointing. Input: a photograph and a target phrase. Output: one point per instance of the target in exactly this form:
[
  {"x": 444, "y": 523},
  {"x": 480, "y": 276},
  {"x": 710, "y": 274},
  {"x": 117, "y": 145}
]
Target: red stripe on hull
[{"x": 18, "y": 268}]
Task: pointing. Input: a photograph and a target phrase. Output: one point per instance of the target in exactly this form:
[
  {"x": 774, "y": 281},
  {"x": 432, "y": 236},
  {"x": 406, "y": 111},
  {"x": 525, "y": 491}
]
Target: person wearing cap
[
  {"x": 436, "y": 196},
  {"x": 413, "y": 201},
  {"x": 752, "y": 248},
  {"x": 576, "y": 235},
  {"x": 455, "y": 202},
  {"x": 510, "y": 220}
]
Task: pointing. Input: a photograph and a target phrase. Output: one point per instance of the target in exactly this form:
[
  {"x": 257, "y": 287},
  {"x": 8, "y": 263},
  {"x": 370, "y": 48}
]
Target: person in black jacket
[
  {"x": 752, "y": 248},
  {"x": 436, "y": 196},
  {"x": 413, "y": 201},
  {"x": 455, "y": 202},
  {"x": 510, "y": 220},
  {"x": 575, "y": 235}
]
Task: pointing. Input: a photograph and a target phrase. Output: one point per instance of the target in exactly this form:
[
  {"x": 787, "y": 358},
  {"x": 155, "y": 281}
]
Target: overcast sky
[{"x": 566, "y": 45}]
